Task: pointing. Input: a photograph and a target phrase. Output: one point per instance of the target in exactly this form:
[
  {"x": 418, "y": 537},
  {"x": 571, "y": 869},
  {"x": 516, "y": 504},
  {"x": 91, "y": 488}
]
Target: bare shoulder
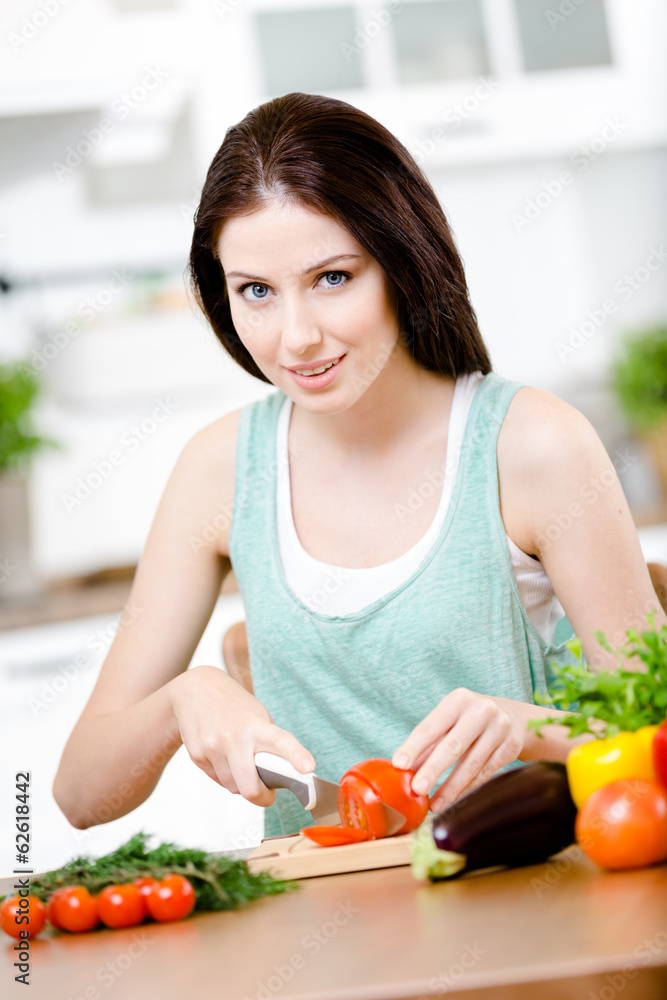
[
  {"x": 211, "y": 455},
  {"x": 536, "y": 419},
  {"x": 547, "y": 450}
]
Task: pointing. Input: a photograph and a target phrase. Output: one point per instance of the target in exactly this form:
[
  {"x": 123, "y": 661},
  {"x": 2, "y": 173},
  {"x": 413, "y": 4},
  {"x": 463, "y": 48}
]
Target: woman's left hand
[{"x": 481, "y": 733}]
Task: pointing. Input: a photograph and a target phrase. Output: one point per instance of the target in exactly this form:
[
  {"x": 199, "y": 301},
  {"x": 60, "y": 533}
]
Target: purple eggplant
[{"x": 519, "y": 817}]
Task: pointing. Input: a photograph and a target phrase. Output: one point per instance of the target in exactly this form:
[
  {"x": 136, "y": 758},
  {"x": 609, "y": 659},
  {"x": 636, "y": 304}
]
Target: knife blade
[{"x": 320, "y": 797}]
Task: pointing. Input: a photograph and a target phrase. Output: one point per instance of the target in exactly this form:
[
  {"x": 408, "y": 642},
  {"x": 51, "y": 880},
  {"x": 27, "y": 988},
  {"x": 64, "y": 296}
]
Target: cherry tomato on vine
[
  {"x": 74, "y": 909},
  {"x": 144, "y": 884},
  {"x": 334, "y": 836},
  {"x": 22, "y": 914},
  {"x": 365, "y": 788},
  {"x": 51, "y": 907},
  {"x": 121, "y": 906},
  {"x": 624, "y": 824},
  {"x": 171, "y": 899}
]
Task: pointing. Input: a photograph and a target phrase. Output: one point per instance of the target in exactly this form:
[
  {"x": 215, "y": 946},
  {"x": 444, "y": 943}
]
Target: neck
[{"x": 395, "y": 409}]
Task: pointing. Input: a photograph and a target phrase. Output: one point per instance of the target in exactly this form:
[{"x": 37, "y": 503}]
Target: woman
[{"x": 408, "y": 528}]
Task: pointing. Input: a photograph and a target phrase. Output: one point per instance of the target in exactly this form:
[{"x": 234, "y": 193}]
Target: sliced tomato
[
  {"x": 368, "y": 785},
  {"x": 334, "y": 836},
  {"x": 360, "y": 805}
]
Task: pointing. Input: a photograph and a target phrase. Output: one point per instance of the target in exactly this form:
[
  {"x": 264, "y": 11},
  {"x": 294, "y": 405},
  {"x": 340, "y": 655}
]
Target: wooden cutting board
[{"x": 298, "y": 857}]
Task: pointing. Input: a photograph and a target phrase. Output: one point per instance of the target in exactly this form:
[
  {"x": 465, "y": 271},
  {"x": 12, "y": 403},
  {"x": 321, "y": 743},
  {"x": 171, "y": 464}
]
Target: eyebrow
[{"x": 315, "y": 267}]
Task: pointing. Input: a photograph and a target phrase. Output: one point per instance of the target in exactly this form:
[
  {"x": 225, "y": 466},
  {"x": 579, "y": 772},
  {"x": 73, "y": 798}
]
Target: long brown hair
[{"x": 330, "y": 156}]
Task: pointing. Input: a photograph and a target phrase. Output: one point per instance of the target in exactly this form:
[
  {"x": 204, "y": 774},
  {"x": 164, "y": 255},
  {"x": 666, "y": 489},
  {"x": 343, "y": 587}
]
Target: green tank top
[{"x": 351, "y": 687}]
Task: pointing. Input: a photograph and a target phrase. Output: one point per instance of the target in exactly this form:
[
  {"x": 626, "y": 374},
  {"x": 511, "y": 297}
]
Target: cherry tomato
[
  {"x": 51, "y": 907},
  {"x": 624, "y": 824},
  {"x": 74, "y": 910},
  {"x": 367, "y": 786},
  {"x": 171, "y": 899},
  {"x": 121, "y": 906},
  {"x": 333, "y": 836},
  {"x": 145, "y": 884},
  {"x": 22, "y": 915}
]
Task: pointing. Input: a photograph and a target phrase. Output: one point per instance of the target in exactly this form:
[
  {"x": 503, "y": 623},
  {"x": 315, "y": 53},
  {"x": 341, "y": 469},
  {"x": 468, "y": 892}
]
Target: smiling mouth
[{"x": 315, "y": 371}]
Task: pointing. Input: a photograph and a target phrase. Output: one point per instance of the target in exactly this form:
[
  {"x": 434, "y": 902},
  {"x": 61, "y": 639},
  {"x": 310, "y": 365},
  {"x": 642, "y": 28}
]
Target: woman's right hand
[{"x": 223, "y": 726}]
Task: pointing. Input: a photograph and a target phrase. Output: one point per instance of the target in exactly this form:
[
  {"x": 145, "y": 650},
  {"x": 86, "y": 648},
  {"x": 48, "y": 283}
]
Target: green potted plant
[
  {"x": 639, "y": 374},
  {"x": 19, "y": 443}
]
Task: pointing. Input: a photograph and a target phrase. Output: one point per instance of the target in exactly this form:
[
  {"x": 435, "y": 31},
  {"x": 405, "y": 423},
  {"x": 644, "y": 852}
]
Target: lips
[
  {"x": 314, "y": 364},
  {"x": 321, "y": 380}
]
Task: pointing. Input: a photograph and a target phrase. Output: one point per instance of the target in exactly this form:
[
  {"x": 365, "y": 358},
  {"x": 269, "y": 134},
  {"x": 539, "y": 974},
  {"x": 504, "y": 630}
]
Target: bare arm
[
  {"x": 127, "y": 731},
  {"x": 578, "y": 521},
  {"x": 568, "y": 507}
]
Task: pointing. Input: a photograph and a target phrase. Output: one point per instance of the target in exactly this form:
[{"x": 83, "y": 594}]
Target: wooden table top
[{"x": 561, "y": 929}]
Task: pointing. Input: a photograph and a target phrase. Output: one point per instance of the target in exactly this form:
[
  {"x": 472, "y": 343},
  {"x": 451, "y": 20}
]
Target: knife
[{"x": 315, "y": 794}]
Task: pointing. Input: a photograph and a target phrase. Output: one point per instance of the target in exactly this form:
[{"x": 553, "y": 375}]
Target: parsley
[
  {"x": 220, "y": 883},
  {"x": 623, "y": 700}
]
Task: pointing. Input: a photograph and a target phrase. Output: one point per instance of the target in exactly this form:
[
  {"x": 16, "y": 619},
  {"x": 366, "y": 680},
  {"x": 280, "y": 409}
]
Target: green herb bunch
[
  {"x": 220, "y": 883},
  {"x": 622, "y": 700}
]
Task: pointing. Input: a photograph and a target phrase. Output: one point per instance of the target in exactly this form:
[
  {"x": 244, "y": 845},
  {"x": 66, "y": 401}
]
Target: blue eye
[
  {"x": 253, "y": 286},
  {"x": 342, "y": 276}
]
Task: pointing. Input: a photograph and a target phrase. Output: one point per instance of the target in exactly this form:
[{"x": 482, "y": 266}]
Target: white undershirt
[{"x": 333, "y": 590}]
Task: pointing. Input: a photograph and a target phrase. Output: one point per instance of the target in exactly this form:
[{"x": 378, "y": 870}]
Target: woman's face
[{"x": 303, "y": 290}]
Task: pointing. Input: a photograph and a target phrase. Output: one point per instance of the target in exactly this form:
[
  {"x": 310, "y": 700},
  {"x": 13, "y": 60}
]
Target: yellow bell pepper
[{"x": 596, "y": 764}]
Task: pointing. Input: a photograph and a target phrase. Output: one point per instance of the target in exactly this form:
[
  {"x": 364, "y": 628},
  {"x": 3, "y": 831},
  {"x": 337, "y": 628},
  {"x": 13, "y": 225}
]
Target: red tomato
[
  {"x": 121, "y": 906},
  {"x": 21, "y": 915},
  {"x": 624, "y": 824},
  {"x": 51, "y": 907},
  {"x": 365, "y": 787},
  {"x": 171, "y": 899},
  {"x": 145, "y": 884},
  {"x": 333, "y": 836},
  {"x": 659, "y": 748},
  {"x": 74, "y": 910}
]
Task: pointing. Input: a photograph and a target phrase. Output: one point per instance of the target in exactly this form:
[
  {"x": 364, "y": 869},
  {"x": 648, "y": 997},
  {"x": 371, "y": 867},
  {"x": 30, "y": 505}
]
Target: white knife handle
[{"x": 277, "y": 772}]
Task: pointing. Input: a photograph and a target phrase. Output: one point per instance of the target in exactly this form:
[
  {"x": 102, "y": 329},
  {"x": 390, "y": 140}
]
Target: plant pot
[
  {"x": 17, "y": 578},
  {"x": 656, "y": 443}
]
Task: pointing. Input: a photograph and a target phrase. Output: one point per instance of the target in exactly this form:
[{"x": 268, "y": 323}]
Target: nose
[{"x": 299, "y": 326}]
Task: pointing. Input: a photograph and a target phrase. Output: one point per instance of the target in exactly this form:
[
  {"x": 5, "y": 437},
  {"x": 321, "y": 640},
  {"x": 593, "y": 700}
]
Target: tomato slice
[
  {"x": 366, "y": 785},
  {"x": 334, "y": 836}
]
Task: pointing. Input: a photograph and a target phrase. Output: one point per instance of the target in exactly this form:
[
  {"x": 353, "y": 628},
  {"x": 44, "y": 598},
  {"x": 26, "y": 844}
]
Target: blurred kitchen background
[{"x": 540, "y": 123}]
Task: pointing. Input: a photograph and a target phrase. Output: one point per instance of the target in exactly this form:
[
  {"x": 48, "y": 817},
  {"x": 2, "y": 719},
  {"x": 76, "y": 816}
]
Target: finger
[
  {"x": 501, "y": 755},
  {"x": 283, "y": 743},
  {"x": 248, "y": 781},
  {"x": 430, "y": 730},
  {"x": 460, "y": 779},
  {"x": 224, "y": 779},
  {"x": 450, "y": 748}
]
